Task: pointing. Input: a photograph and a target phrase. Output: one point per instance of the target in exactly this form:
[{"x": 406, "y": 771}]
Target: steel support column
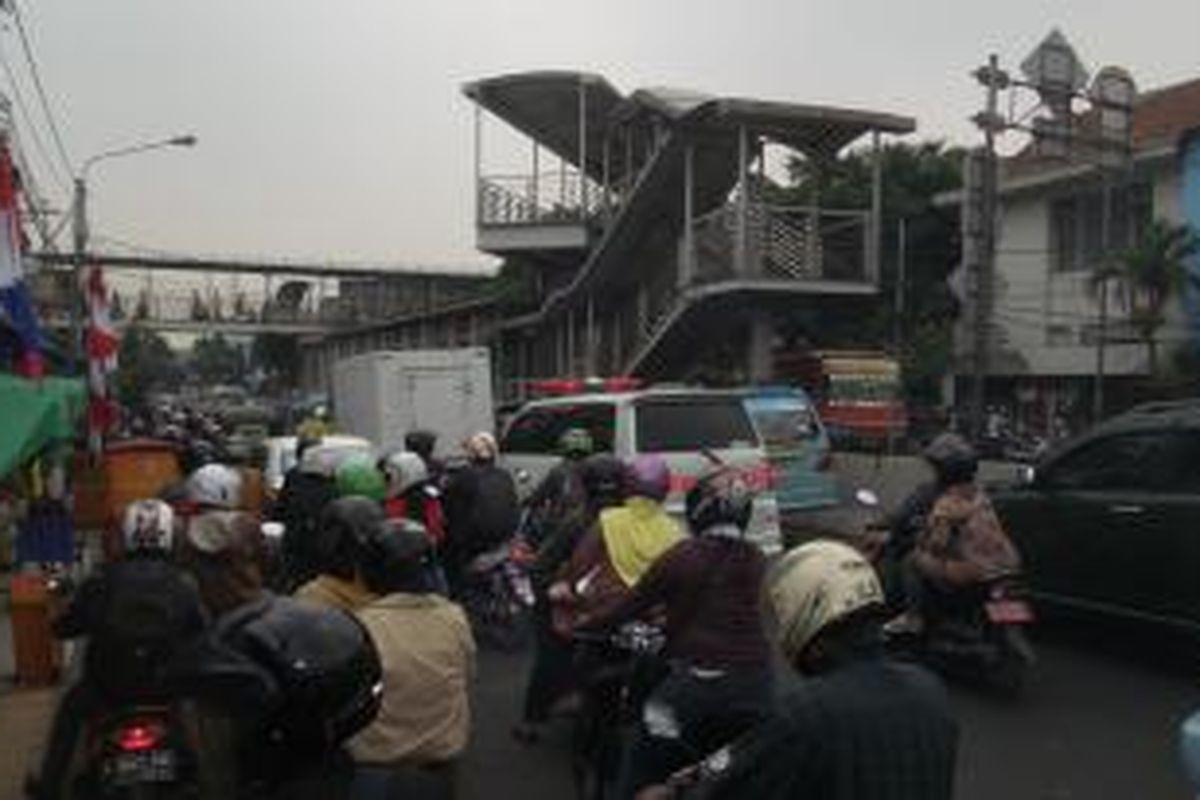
[
  {"x": 687, "y": 262},
  {"x": 876, "y": 206},
  {"x": 589, "y": 357},
  {"x": 583, "y": 186},
  {"x": 741, "y": 251},
  {"x": 478, "y": 164},
  {"x": 759, "y": 356}
]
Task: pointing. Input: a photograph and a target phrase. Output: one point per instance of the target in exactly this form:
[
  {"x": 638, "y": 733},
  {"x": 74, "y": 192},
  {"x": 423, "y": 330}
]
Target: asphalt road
[{"x": 1097, "y": 722}]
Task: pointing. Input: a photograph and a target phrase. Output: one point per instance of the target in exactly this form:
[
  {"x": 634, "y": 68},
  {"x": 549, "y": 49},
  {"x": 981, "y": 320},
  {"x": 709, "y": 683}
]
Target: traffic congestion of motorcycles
[{"x": 298, "y": 615}]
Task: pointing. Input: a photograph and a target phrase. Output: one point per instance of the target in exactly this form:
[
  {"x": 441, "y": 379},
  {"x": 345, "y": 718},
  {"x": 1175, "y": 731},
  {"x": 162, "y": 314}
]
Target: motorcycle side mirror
[
  {"x": 273, "y": 531},
  {"x": 866, "y": 498}
]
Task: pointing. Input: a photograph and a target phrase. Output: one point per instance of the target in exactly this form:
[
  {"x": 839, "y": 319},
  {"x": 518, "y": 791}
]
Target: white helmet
[
  {"x": 215, "y": 486},
  {"x": 817, "y": 584},
  {"x": 149, "y": 526},
  {"x": 404, "y": 470}
]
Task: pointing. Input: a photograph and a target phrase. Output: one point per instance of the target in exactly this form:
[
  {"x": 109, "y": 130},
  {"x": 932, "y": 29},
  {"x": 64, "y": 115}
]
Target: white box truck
[{"x": 384, "y": 394}]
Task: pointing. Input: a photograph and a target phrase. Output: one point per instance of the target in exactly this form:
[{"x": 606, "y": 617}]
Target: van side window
[
  {"x": 537, "y": 431},
  {"x": 672, "y": 425}
]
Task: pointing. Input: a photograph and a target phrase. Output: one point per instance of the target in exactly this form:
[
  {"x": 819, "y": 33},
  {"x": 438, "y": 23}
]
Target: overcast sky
[{"x": 338, "y": 129}]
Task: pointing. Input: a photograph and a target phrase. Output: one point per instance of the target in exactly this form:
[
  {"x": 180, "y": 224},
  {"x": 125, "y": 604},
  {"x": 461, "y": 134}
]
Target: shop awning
[{"x": 34, "y": 414}]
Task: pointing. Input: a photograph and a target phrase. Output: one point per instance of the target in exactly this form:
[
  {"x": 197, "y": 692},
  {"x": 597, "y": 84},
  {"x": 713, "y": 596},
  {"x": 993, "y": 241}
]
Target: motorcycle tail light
[{"x": 140, "y": 735}]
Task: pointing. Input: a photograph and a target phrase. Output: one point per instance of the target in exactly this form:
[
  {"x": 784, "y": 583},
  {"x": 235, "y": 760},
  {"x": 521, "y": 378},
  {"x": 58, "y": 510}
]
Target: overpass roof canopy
[{"x": 546, "y": 106}]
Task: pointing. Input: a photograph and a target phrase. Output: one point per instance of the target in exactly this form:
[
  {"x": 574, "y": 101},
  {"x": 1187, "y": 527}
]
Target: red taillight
[{"x": 140, "y": 736}]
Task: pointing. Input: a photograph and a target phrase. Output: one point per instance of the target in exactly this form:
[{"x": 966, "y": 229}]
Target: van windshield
[{"x": 684, "y": 424}]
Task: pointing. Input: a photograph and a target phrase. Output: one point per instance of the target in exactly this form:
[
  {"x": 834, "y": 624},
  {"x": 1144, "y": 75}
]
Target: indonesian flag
[
  {"x": 16, "y": 310},
  {"x": 101, "y": 343}
]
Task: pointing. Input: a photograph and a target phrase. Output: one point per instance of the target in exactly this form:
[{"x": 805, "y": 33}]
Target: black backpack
[{"x": 320, "y": 676}]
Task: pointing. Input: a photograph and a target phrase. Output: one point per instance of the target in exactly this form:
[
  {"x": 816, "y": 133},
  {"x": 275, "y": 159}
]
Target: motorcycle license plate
[
  {"x": 1009, "y": 612},
  {"x": 151, "y": 766}
]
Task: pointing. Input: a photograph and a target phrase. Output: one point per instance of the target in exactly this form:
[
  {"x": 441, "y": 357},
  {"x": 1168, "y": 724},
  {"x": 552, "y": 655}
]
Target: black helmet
[
  {"x": 420, "y": 442},
  {"x": 395, "y": 557},
  {"x": 719, "y": 499},
  {"x": 345, "y": 527},
  {"x": 953, "y": 459},
  {"x": 324, "y": 673},
  {"x": 604, "y": 478}
]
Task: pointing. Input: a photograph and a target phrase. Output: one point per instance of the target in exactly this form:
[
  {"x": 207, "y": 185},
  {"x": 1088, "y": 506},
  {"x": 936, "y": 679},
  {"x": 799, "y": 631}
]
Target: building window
[{"x": 1077, "y": 223}]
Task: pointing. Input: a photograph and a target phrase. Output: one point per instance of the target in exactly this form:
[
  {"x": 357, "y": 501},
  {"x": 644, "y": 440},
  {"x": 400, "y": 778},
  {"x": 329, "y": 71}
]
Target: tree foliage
[
  {"x": 216, "y": 360},
  {"x": 145, "y": 362},
  {"x": 278, "y": 356},
  {"x": 913, "y": 175},
  {"x": 1153, "y": 271}
]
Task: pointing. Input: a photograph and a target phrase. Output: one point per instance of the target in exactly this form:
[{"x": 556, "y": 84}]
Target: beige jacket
[
  {"x": 428, "y": 657},
  {"x": 332, "y": 592}
]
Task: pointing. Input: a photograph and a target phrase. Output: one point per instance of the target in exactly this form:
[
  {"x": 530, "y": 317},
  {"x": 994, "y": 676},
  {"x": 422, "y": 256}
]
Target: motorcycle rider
[
  {"x": 481, "y": 506},
  {"x": 424, "y": 641},
  {"x": 345, "y": 524},
  {"x": 720, "y": 681},
  {"x": 135, "y": 613},
  {"x": 280, "y": 684},
  {"x": 307, "y": 489},
  {"x": 359, "y": 475},
  {"x": 603, "y": 482},
  {"x": 560, "y": 491},
  {"x": 624, "y": 542},
  {"x": 962, "y": 543},
  {"x": 423, "y": 442},
  {"x": 412, "y": 494},
  {"x": 861, "y": 725}
]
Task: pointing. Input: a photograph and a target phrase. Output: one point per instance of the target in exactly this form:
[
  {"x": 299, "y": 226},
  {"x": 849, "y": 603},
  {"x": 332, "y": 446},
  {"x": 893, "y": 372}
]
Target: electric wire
[
  {"x": 40, "y": 146},
  {"x": 35, "y": 72}
]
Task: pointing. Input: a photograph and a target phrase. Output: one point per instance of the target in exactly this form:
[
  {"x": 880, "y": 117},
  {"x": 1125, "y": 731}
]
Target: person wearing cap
[
  {"x": 860, "y": 725},
  {"x": 428, "y": 654},
  {"x": 552, "y": 502}
]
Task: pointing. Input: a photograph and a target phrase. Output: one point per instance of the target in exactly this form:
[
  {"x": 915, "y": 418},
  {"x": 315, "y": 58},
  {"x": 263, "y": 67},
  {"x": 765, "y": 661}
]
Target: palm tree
[{"x": 1151, "y": 272}]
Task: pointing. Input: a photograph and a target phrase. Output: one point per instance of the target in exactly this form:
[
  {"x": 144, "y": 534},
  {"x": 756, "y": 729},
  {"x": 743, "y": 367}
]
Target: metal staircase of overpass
[{"x": 655, "y": 239}]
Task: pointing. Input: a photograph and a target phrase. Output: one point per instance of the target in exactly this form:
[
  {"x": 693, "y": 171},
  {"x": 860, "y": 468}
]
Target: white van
[{"x": 688, "y": 427}]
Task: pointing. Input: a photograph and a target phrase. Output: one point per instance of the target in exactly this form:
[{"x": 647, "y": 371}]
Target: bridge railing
[
  {"x": 789, "y": 243},
  {"x": 544, "y": 198}
]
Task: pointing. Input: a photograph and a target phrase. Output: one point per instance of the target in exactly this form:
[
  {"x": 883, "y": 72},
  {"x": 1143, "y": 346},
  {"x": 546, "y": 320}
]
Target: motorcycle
[
  {"x": 139, "y": 752},
  {"x": 618, "y": 672},
  {"x": 498, "y": 595},
  {"x": 974, "y": 634}
]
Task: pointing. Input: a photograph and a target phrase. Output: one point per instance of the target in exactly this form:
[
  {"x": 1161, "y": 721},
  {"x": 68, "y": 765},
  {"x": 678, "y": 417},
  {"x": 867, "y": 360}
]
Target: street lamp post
[{"x": 79, "y": 226}]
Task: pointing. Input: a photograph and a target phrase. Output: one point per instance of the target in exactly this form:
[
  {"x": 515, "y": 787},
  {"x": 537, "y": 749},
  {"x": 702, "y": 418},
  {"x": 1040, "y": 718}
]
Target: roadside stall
[{"x": 37, "y": 535}]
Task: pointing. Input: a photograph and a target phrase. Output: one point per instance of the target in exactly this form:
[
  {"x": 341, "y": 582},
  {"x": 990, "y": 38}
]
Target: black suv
[{"x": 1110, "y": 522}]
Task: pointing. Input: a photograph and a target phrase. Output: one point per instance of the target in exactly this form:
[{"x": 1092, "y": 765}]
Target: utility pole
[
  {"x": 79, "y": 227},
  {"x": 898, "y": 294},
  {"x": 1105, "y": 266},
  {"x": 994, "y": 80}
]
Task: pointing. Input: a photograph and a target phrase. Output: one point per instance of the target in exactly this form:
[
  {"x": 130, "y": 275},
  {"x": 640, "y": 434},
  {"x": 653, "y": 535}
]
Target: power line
[
  {"x": 41, "y": 89},
  {"x": 51, "y": 166}
]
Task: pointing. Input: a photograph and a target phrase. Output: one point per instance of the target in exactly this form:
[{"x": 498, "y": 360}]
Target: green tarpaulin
[{"x": 34, "y": 414}]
